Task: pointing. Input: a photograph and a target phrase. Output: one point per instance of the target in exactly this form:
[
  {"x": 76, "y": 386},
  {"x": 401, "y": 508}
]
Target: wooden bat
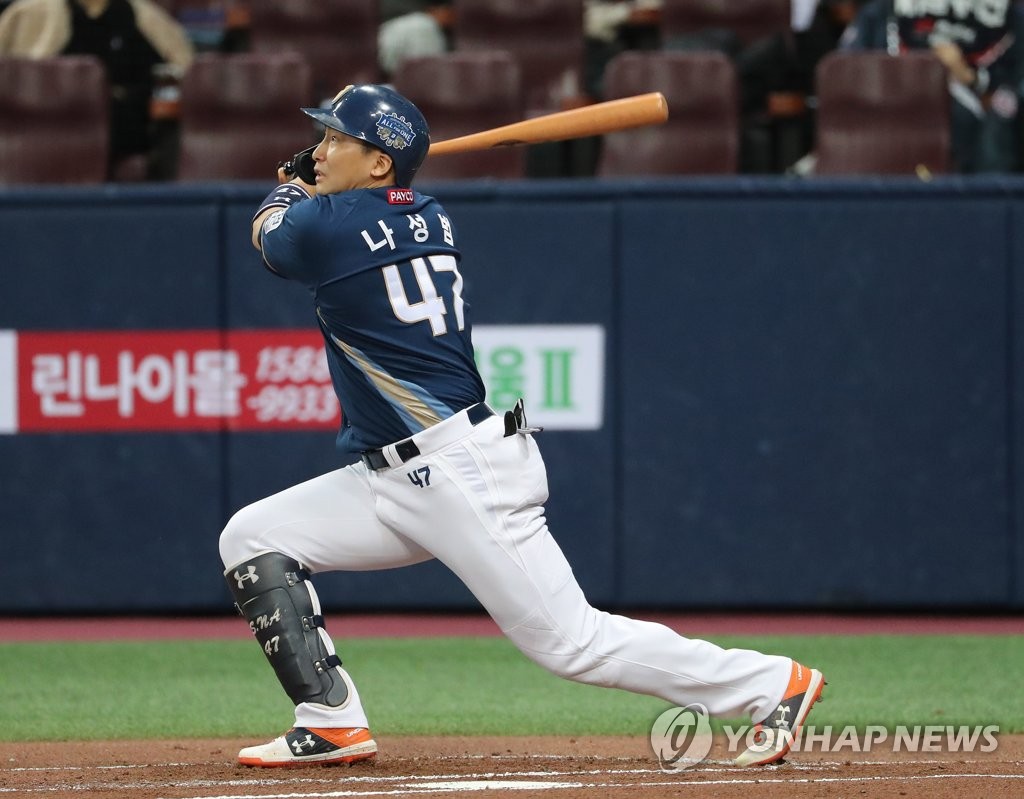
[{"x": 591, "y": 120}]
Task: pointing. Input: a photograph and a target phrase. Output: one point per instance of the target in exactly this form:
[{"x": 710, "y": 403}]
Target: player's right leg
[{"x": 269, "y": 550}]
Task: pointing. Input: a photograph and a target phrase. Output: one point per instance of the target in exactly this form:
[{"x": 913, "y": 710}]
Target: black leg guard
[{"x": 272, "y": 593}]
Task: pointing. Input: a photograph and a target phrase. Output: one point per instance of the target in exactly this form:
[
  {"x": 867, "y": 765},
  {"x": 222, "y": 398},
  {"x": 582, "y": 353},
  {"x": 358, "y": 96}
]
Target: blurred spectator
[
  {"x": 817, "y": 28},
  {"x": 213, "y": 26},
  {"x": 130, "y": 37},
  {"x": 408, "y": 29},
  {"x": 802, "y": 13},
  {"x": 611, "y": 27},
  {"x": 978, "y": 42}
]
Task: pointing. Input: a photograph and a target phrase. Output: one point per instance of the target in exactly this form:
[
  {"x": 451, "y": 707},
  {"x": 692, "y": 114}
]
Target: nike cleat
[
  {"x": 775, "y": 735},
  {"x": 307, "y": 745}
]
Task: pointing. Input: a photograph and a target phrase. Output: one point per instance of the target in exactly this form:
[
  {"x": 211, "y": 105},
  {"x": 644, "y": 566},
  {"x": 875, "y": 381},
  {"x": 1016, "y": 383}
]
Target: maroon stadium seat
[
  {"x": 461, "y": 93},
  {"x": 701, "y": 135},
  {"x": 544, "y": 36},
  {"x": 883, "y": 115},
  {"x": 748, "y": 19},
  {"x": 240, "y": 115},
  {"x": 54, "y": 120},
  {"x": 337, "y": 37}
]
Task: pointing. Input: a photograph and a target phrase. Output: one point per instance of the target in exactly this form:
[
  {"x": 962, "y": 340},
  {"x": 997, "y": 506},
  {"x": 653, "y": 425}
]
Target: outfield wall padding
[{"x": 813, "y": 394}]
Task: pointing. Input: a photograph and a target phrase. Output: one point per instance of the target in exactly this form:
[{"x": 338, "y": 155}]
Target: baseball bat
[{"x": 591, "y": 120}]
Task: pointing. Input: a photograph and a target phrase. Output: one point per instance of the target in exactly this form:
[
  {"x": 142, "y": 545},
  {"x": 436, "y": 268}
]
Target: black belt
[{"x": 407, "y": 450}]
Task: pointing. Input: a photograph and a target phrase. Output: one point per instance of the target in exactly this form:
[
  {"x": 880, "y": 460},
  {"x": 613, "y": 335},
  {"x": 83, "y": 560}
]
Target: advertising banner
[{"x": 94, "y": 381}]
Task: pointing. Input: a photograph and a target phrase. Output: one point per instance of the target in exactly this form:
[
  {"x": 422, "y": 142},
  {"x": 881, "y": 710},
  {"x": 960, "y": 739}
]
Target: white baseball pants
[{"x": 474, "y": 500}]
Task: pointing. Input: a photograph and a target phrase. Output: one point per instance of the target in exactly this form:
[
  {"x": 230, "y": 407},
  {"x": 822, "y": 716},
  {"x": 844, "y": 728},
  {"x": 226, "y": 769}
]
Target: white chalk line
[
  {"x": 448, "y": 788},
  {"x": 513, "y": 780},
  {"x": 790, "y": 764},
  {"x": 455, "y": 787}
]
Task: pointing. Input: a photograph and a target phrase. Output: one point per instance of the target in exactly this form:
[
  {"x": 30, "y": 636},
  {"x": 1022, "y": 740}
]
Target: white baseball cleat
[
  {"x": 775, "y": 735},
  {"x": 307, "y": 745}
]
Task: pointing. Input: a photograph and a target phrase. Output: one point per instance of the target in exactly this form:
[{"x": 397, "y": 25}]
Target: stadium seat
[
  {"x": 882, "y": 115},
  {"x": 337, "y": 37},
  {"x": 749, "y": 20},
  {"x": 54, "y": 120},
  {"x": 544, "y": 36},
  {"x": 701, "y": 135},
  {"x": 757, "y": 34},
  {"x": 240, "y": 115},
  {"x": 465, "y": 92}
]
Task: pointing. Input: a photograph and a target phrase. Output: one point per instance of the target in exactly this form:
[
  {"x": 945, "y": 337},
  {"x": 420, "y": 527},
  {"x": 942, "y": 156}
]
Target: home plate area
[{"x": 566, "y": 768}]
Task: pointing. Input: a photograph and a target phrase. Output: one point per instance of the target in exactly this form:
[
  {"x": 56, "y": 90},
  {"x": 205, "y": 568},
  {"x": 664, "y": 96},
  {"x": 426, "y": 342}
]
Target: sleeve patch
[{"x": 273, "y": 221}]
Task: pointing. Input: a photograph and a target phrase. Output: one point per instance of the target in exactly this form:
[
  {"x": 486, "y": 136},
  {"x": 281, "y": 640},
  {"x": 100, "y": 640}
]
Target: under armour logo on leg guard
[{"x": 249, "y": 575}]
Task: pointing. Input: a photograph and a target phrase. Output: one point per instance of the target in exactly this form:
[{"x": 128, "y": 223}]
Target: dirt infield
[{"x": 552, "y": 768}]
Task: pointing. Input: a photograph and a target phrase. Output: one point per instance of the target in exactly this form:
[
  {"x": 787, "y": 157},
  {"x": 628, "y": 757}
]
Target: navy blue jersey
[
  {"x": 981, "y": 28},
  {"x": 382, "y": 266}
]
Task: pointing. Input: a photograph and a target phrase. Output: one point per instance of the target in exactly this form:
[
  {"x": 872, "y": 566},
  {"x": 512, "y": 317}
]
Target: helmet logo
[{"x": 394, "y": 131}]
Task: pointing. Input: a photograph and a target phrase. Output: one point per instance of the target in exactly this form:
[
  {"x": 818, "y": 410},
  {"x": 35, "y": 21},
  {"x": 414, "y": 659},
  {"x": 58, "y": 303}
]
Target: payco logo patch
[{"x": 557, "y": 369}]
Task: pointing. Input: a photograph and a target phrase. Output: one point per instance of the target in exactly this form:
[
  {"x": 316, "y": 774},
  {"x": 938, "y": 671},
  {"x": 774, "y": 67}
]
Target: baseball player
[{"x": 441, "y": 475}]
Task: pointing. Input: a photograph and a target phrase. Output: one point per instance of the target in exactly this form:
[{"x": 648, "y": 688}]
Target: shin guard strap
[{"x": 328, "y": 662}]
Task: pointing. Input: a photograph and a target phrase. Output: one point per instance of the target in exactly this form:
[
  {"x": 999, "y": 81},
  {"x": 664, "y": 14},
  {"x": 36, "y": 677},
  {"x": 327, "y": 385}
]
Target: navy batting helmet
[{"x": 383, "y": 118}]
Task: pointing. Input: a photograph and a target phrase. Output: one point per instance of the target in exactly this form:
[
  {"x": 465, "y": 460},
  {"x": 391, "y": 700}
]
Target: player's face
[{"x": 343, "y": 163}]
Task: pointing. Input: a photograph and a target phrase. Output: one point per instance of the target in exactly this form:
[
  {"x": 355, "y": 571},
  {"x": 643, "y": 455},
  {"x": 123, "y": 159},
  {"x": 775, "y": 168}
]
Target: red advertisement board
[{"x": 170, "y": 380}]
